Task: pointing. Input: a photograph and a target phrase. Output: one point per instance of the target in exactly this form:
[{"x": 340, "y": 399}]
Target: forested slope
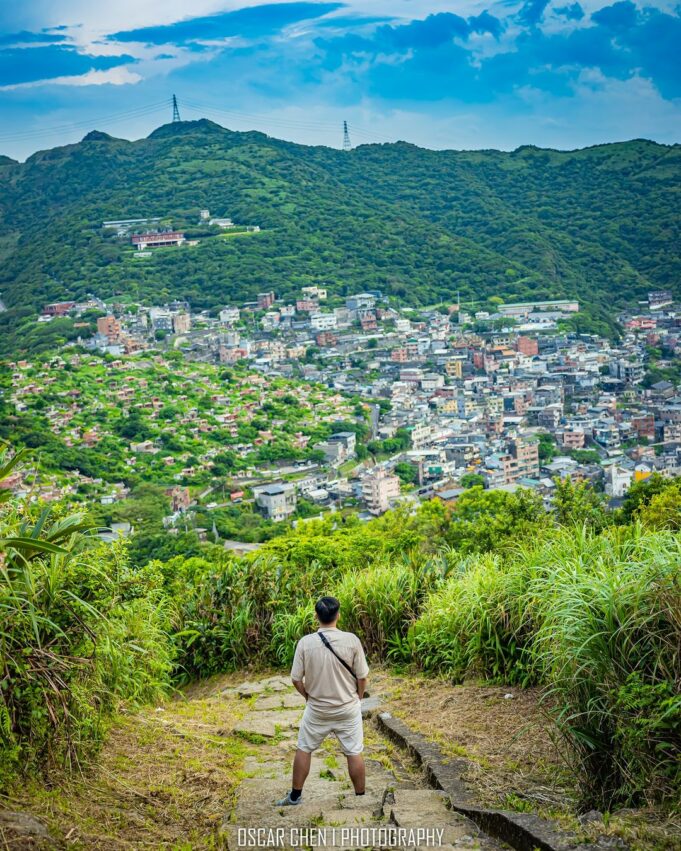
[{"x": 602, "y": 223}]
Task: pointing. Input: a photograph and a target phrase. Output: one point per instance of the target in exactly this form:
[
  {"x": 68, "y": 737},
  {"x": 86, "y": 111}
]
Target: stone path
[{"x": 398, "y": 810}]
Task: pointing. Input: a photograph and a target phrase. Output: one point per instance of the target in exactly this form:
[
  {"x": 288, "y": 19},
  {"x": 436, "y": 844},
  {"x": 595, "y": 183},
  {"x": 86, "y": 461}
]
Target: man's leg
[
  {"x": 301, "y": 768},
  {"x": 356, "y": 772}
]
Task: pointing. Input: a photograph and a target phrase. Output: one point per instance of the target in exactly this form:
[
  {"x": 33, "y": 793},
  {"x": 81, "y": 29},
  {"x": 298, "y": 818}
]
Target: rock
[
  {"x": 248, "y": 689},
  {"x": 591, "y": 816},
  {"x": 267, "y": 723},
  {"x": 251, "y": 687},
  {"x": 260, "y": 725},
  {"x": 277, "y": 684},
  {"x": 414, "y": 808},
  {"x": 293, "y": 700},
  {"x": 274, "y": 701},
  {"x": 369, "y": 704},
  {"x": 26, "y": 830},
  {"x": 280, "y": 701}
]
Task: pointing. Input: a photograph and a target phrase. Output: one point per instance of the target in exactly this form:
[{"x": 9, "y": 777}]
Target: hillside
[{"x": 601, "y": 223}]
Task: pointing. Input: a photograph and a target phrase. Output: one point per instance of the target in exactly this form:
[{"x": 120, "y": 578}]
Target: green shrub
[
  {"x": 288, "y": 628},
  {"x": 476, "y": 625},
  {"x": 80, "y": 632},
  {"x": 597, "y": 619},
  {"x": 215, "y": 629},
  {"x": 609, "y": 643}
]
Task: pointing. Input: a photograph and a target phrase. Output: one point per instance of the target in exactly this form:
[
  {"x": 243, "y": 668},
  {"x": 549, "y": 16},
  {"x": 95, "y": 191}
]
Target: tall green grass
[
  {"x": 597, "y": 620},
  {"x": 592, "y": 616},
  {"x": 79, "y": 633},
  {"x": 477, "y": 625},
  {"x": 609, "y": 646}
]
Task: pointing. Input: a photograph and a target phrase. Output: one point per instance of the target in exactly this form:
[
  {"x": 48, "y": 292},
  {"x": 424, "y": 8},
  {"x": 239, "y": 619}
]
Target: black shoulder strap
[{"x": 327, "y": 643}]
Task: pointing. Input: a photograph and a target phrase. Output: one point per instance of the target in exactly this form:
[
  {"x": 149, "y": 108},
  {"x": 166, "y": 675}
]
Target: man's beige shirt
[{"x": 328, "y": 684}]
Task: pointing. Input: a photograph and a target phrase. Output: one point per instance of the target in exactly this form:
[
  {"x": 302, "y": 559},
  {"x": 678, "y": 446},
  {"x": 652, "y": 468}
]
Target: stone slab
[
  {"x": 281, "y": 700},
  {"x": 268, "y": 723},
  {"x": 522, "y": 831},
  {"x": 427, "y": 808}
]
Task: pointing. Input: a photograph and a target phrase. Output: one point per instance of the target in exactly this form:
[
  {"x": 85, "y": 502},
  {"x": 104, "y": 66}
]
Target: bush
[
  {"x": 597, "y": 619},
  {"x": 288, "y": 628},
  {"x": 379, "y": 603},
  {"x": 609, "y": 643},
  {"x": 80, "y": 633},
  {"x": 477, "y": 624}
]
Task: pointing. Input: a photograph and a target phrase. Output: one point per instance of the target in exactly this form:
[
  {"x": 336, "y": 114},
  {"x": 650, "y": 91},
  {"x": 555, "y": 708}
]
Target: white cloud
[{"x": 121, "y": 76}]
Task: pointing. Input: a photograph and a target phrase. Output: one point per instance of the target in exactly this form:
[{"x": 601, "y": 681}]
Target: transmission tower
[
  {"x": 176, "y": 111},
  {"x": 347, "y": 145}
]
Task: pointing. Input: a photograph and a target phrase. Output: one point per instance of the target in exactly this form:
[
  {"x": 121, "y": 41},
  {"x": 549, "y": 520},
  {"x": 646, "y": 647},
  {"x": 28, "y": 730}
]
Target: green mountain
[{"x": 602, "y": 224}]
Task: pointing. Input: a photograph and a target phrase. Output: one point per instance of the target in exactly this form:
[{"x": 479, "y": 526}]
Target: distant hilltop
[{"x": 600, "y": 224}]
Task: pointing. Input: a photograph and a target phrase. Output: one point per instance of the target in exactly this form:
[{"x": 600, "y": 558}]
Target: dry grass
[
  {"x": 167, "y": 779},
  {"x": 508, "y": 741},
  {"x": 164, "y": 780},
  {"x": 515, "y": 763}
]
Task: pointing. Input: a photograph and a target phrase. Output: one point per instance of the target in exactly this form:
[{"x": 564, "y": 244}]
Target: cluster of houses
[{"x": 476, "y": 391}]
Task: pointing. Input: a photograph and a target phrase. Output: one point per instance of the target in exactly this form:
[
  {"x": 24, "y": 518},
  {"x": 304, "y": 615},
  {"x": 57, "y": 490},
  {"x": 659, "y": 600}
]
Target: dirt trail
[
  {"x": 397, "y": 804},
  {"x": 188, "y": 774}
]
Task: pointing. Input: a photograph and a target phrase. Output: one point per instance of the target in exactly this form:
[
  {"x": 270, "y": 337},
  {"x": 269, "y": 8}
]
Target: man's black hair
[{"x": 327, "y": 609}]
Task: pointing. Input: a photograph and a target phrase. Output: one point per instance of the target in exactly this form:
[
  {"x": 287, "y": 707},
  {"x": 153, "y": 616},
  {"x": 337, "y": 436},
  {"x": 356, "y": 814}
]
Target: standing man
[{"x": 330, "y": 671}]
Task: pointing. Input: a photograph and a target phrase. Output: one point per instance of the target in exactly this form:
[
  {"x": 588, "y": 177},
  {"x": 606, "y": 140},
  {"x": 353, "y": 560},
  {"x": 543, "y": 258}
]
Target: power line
[
  {"x": 258, "y": 118},
  {"x": 195, "y": 107},
  {"x": 136, "y": 112},
  {"x": 267, "y": 118}
]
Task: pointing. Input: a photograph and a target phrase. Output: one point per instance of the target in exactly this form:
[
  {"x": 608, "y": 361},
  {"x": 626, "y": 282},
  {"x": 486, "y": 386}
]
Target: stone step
[
  {"x": 269, "y": 723},
  {"x": 395, "y": 799}
]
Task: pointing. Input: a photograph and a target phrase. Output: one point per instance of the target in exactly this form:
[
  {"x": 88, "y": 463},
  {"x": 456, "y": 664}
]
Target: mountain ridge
[{"x": 600, "y": 223}]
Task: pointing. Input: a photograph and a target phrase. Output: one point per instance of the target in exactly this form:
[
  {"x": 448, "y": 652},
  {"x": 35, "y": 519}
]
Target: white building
[
  {"x": 277, "y": 501},
  {"x": 323, "y": 321},
  {"x": 617, "y": 480},
  {"x": 314, "y": 292},
  {"x": 270, "y": 320},
  {"x": 379, "y": 488},
  {"x": 229, "y": 315},
  {"x": 361, "y": 301}
]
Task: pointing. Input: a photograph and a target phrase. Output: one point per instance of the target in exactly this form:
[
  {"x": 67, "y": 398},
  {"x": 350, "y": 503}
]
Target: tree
[
  {"x": 484, "y": 520},
  {"x": 547, "y": 446},
  {"x": 663, "y": 511},
  {"x": 471, "y": 480},
  {"x": 578, "y": 504},
  {"x": 640, "y": 494},
  {"x": 133, "y": 427},
  {"x": 408, "y": 474}
]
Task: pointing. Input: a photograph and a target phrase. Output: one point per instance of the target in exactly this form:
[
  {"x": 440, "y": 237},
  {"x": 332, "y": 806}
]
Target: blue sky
[{"x": 560, "y": 73}]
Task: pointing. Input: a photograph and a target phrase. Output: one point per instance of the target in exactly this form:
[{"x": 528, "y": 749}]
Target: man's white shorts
[{"x": 344, "y": 722}]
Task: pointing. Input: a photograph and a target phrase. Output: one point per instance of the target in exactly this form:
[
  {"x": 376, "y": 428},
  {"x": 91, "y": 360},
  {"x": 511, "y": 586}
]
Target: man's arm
[
  {"x": 298, "y": 670},
  {"x": 361, "y": 668},
  {"x": 300, "y": 687}
]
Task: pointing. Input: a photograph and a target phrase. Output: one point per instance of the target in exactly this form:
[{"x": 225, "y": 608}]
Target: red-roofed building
[{"x": 154, "y": 240}]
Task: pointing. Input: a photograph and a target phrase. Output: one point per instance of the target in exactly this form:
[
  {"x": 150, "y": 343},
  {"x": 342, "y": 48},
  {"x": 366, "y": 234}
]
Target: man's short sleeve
[
  {"x": 298, "y": 667},
  {"x": 360, "y": 663}
]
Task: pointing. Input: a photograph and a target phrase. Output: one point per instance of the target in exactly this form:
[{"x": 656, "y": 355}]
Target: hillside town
[{"x": 400, "y": 404}]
